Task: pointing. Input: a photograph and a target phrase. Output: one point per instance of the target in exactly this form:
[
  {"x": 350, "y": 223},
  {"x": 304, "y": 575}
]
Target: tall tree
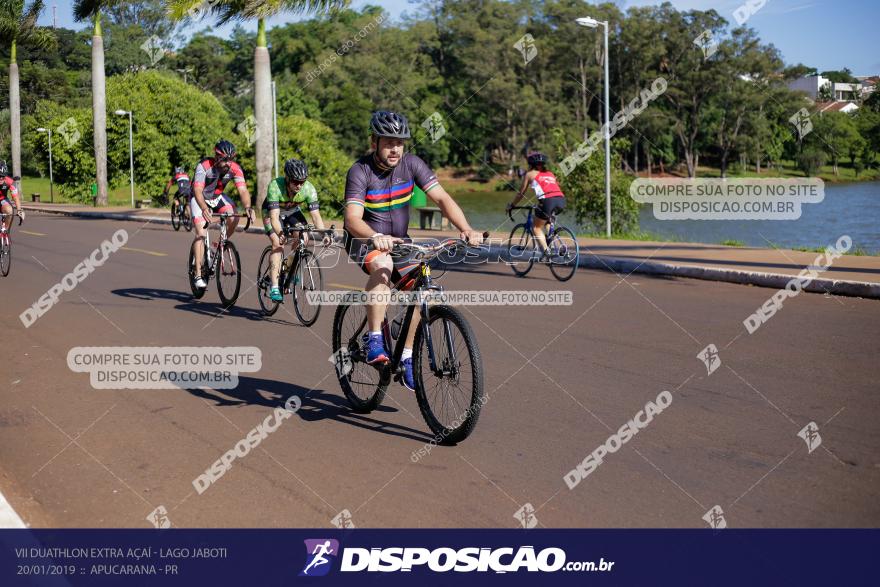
[
  {"x": 18, "y": 25},
  {"x": 93, "y": 9},
  {"x": 229, "y": 10}
]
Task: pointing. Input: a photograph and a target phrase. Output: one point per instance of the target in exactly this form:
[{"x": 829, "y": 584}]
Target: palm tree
[
  {"x": 91, "y": 9},
  {"x": 228, "y": 10},
  {"x": 18, "y": 26}
]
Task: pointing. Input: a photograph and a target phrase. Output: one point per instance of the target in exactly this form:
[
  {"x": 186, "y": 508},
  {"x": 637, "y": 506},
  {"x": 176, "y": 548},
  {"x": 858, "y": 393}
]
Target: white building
[{"x": 813, "y": 84}]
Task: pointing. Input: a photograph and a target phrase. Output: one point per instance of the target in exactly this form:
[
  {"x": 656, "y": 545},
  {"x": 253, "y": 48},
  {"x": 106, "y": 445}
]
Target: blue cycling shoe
[
  {"x": 375, "y": 345},
  {"x": 275, "y": 294},
  {"x": 408, "y": 380}
]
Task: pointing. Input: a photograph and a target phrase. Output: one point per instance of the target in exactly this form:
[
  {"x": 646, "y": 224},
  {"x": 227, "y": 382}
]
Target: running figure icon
[{"x": 318, "y": 551}]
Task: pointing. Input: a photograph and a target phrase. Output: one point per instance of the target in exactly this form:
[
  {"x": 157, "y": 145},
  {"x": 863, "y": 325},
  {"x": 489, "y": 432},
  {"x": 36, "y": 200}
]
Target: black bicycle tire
[
  {"x": 228, "y": 301},
  {"x": 554, "y": 266},
  {"x": 357, "y": 404},
  {"x": 442, "y": 434},
  {"x": 265, "y": 256},
  {"x": 510, "y": 240},
  {"x": 302, "y": 262}
]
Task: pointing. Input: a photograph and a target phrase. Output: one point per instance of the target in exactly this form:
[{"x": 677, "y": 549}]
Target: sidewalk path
[{"x": 849, "y": 275}]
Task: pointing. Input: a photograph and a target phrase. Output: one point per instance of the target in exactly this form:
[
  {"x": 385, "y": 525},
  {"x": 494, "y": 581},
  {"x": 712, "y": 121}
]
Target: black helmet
[
  {"x": 225, "y": 150},
  {"x": 295, "y": 170},
  {"x": 4, "y": 168},
  {"x": 389, "y": 124},
  {"x": 535, "y": 159}
]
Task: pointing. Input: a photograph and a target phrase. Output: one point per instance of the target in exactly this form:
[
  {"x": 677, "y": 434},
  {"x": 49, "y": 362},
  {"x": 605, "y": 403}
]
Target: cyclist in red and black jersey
[
  {"x": 551, "y": 200},
  {"x": 211, "y": 177},
  {"x": 378, "y": 189},
  {"x": 8, "y": 192}
]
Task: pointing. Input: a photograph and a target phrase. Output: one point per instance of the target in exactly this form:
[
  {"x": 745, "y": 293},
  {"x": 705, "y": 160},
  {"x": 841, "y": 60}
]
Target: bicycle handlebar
[
  {"x": 5, "y": 215},
  {"x": 512, "y": 208},
  {"x": 221, "y": 217},
  {"x": 434, "y": 250}
]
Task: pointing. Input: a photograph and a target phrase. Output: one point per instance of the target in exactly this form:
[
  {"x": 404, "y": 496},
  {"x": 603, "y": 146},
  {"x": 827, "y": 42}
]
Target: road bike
[
  {"x": 5, "y": 245},
  {"x": 300, "y": 273},
  {"x": 180, "y": 212},
  {"x": 446, "y": 360},
  {"x": 221, "y": 259},
  {"x": 563, "y": 252}
]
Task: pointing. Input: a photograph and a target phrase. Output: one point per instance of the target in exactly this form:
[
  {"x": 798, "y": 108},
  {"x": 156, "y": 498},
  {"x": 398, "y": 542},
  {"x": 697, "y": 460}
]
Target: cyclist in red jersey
[
  {"x": 8, "y": 191},
  {"x": 551, "y": 200},
  {"x": 209, "y": 183}
]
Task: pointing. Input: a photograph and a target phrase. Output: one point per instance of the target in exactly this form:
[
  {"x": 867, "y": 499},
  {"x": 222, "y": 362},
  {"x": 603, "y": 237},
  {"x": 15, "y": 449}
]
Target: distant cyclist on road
[
  {"x": 211, "y": 177},
  {"x": 291, "y": 192},
  {"x": 8, "y": 192},
  {"x": 378, "y": 189},
  {"x": 184, "y": 188},
  {"x": 551, "y": 200}
]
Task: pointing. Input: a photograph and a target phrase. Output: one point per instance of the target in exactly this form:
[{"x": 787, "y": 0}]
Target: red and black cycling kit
[
  {"x": 213, "y": 184},
  {"x": 551, "y": 200},
  {"x": 7, "y": 189},
  {"x": 384, "y": 194}
]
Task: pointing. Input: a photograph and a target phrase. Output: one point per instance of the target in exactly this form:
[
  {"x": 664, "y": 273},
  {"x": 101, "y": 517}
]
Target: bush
[
  {"x": 584, "y": 189},
  {"x": 810, "y": 160},
  {"x": 314, "y": 143}
]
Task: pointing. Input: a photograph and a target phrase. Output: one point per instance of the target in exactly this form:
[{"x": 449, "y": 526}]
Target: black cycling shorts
[{"x": 548, "y": 206}]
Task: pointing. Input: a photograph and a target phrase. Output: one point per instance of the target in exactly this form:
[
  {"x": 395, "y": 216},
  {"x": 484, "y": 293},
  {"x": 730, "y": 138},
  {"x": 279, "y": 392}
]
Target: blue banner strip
[{"x": 438, "y": 557}]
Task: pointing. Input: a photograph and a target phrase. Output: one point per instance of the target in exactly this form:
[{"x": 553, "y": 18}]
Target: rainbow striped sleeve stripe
[{"x": 389, "y": 199}]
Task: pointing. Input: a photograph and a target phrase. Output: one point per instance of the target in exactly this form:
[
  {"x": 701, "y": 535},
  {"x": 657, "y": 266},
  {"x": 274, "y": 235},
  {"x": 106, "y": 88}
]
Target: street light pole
[
  {"x": 130, "y": 150},
  {"x": 51, "y": 179},
  {"x": 593, "y": 23}
]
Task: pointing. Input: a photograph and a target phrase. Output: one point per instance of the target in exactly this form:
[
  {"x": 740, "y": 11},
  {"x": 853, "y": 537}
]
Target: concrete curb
[{"x": 841, "y": 287}]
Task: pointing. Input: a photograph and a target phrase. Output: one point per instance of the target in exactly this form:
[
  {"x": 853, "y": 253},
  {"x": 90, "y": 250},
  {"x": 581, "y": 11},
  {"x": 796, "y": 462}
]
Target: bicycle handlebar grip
[{"x": 248, "y": 223}]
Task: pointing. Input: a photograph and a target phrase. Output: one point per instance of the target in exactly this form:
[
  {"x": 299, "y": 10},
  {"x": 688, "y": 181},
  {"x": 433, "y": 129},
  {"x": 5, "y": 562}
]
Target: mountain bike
[
  {"x": 447, "y": 365},
  {"x": 180, "y": 212},
  {"x": 5, "y": 245},
  {"x": 300, "y": 273},
  {"x": 221, "y": 260},
  {"x": 563, "y": 252}
]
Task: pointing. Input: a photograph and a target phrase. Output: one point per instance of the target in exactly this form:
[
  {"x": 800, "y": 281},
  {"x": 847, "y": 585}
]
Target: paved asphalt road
[{"x": 560, "y": 381}]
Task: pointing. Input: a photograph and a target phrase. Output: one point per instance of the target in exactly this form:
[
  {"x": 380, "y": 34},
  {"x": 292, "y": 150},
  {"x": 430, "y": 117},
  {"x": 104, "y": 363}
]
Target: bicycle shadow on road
[
  {"x": 317, "y": 405},
  {"x": 187, "y": 303}
]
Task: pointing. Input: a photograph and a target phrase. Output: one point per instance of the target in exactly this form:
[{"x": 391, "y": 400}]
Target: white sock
[
  {"x": 407, "y": 353},
  {"x": 377, "y": 333}
]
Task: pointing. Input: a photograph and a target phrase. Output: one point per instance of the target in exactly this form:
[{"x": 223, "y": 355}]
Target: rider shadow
[
  {"x": 187, "y": 303},
  {"x": 316, "y": 405}
]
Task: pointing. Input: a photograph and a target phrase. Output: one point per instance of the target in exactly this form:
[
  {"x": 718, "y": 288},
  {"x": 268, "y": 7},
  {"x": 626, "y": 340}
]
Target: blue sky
[{"x": 826, "y": 34}]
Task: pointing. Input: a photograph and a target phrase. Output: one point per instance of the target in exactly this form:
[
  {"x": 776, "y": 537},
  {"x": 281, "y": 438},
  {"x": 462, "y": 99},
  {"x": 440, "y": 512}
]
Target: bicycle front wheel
[
  {"x": 175, "y": 215},
  {"x": 450, "y": 394},
  {"x": 229, "y": 274},
  {"x": 307, "y": 279},
  {"x": 5, "y": 255},
  {"x": 520, "y": 250},
  {"x": 564, "y": 254},
  {"x": 364, "y": 386},
  {"x": 187, "y": 218},
  {"x": 264, "y": 283}
]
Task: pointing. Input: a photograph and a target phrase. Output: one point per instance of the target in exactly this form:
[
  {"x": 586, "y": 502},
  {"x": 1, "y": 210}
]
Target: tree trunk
[
  {"x": 263, "y": 114},
  {"x": 99, "y": 113},
  {"x": 650, "y": 160},
  {"x": 15, "y": 119},
  {"x": 636, "y": 156}
]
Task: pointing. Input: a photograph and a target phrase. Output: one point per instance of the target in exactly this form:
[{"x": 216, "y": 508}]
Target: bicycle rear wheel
[
  {"x": 308, "y": 279},
  {"x": 197, "y": 292},
  {"x": 5, "y": 255},
  {"x": 564, "y": 254},
  {"x": 229, "y": 274},
  {"x": 364, "y": 386},
  {"x": 520, "y": 250},
  {"x": 451, "y": 396},
  {"x": 264, "y": 283},
  {"x": 187, "y": 218},
  {"x": 175, "y": 214}
]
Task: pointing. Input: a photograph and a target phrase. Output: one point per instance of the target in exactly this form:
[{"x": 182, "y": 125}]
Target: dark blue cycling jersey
[{"x": 385, "y": 192}]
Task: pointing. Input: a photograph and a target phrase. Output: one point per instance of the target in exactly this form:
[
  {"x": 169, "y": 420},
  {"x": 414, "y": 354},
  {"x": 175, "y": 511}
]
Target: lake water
[{"x": 852, "y": 209}]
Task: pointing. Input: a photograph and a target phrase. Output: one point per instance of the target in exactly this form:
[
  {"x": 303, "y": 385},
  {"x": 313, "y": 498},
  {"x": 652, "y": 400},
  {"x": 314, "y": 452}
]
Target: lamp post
[
  {"x": 593, "y": 23},
  {"x": 275, "y": 125},
  {"x": 51, "y": 179},
  {"x": 130, "y": 150}
]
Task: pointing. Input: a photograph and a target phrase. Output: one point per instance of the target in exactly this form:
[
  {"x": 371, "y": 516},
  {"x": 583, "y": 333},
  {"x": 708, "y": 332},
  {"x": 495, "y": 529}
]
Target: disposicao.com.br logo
[{"x": 442, "y": 560}]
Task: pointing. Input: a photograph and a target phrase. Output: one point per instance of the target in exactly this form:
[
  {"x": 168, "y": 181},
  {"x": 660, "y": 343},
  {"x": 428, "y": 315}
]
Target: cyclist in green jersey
[{"x": 293, "y": 191}]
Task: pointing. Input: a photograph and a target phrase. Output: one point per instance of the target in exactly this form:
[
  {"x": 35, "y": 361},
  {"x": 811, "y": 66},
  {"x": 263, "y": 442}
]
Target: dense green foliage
[{"x": 455, "y": 57}]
